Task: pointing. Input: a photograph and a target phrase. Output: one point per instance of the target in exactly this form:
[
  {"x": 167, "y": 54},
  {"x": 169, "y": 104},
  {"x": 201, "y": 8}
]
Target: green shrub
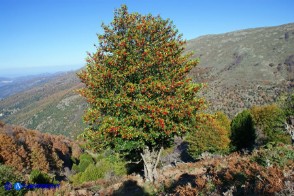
[
  {"x": 273, "y": 153},
  {"x": 242, "y": 131},
  {"x": 7, "y": 174},
  {"x": 118, "y": 165},
  {"x": 110, "y": 164},
  {"x": 91, "y": 173},
  {"x": 37, "y": 177},
  {"x": 269, "y": 123},
  {"x": 86, "y": 156},
  {"x": 287, "y": 104},
  {"x": 84, "y": 161}
]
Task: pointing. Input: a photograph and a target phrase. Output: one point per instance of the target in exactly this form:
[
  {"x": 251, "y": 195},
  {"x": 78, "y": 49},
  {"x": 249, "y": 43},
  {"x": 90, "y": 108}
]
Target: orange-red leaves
[
  {"x": 161, "y": 123},
  {"x": 131, "y": 89},
  {"x": 164, "y": 112},
  {"x": 196, "y": 89},
  {"x": 172, "y": 107},
  {"x": 122, "y": 44},
  {"x": 143, "y": 90}
]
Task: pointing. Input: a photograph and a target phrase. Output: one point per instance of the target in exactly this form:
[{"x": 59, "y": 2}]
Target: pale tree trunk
[{"x": 151, "y": 160}]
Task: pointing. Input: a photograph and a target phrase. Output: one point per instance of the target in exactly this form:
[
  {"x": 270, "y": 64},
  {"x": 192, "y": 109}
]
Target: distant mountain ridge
[
  {"x": 11, "y": 86},
  {"x": 242, "y": 69}
]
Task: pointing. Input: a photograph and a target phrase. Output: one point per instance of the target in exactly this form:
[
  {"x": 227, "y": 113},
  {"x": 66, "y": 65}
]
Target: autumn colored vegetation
[
  {"x": 237, "y": 175},
  {"x": 211, "y": 135},
  {"x": 27, "y": 150},
  {"x": 269, "y": 122}
]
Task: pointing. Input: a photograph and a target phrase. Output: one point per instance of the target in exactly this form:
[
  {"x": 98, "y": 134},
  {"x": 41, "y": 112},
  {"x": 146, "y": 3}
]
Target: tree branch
[
  {"x": 158, "y": 157},
  {"x": 135, "y": 162}
]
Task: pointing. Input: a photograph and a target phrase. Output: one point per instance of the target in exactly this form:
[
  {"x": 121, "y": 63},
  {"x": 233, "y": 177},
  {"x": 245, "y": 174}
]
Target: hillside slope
[
  {"x": 245, "y": 68},
  {"x": 9, "y": 86},
  {"x": 242, "y": 68},
  {"x": 52, "y": 107}
]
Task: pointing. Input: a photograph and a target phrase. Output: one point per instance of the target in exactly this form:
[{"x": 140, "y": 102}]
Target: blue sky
[{"x": 56, "y": 34}]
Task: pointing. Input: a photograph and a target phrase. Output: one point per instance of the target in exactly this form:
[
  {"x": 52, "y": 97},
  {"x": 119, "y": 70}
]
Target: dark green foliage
[
  {"x": 242, "y": 131},
  {"x": 37, "y": 177}
]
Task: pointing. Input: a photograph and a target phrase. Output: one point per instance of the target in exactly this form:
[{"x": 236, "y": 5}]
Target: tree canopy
[{"x": 136, "y": 85}]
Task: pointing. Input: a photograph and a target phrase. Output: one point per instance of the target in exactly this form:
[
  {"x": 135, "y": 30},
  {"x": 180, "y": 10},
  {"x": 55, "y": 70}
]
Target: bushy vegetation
[
  {"x": 8, "y": 174},
  {"x": 245, "y": 177},
  {"x": 232, "y": 175},
  {"x": 26, "y": 150},
  {"x": 38, "y": 177},
  {"x": 211, "y": 135},
  {"x": 242, "y": 131},
  {"x": 84, "y": 161},
  {"x": 104, "y": 165},
  {"x": 287, "y": 104},
  {"x": 274, "y": 154},
  {"x": 269, "y": 123}
]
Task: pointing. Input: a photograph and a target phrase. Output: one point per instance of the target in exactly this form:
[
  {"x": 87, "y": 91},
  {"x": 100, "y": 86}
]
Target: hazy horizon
[{"x": 15, "y": 72}]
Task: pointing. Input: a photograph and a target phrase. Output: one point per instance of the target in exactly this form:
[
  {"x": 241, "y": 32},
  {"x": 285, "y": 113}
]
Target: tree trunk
[{"x": 151, "y": 160}]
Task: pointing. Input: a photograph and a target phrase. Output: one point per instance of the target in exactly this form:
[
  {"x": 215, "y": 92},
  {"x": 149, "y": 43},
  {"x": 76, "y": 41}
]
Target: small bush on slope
[
  {"x": 269, "y": 122},
  {"x": 104, "y": 166},
  {"x": 209, "y": 136},
  {"x": 242, "y": 131},
  {"x": 84, "y": 161},
  {"x": 37, "y": 177}
]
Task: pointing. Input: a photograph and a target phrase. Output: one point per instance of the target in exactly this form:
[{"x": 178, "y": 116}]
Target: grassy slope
[{"x": 245, "y": 68}]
